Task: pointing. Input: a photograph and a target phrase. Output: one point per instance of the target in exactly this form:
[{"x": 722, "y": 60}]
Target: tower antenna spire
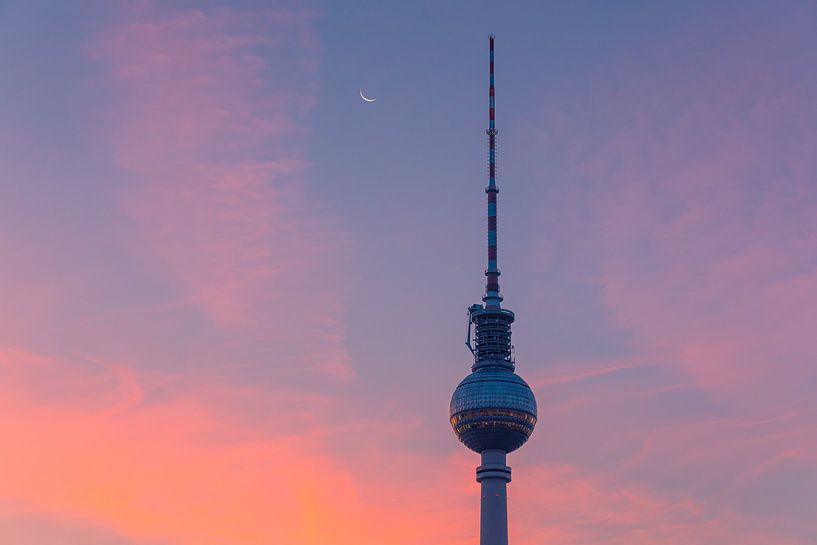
[{"x": 492, "y": 297}]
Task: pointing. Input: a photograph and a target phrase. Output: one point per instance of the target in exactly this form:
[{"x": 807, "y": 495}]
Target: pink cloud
[
  {"x": 158, "y": 471},
  {"x": 697, "y": 219},
  {"x": 179, "y": 469},
  {"x": 212, "y": 134},
  {"x": 702, "y": 207}
]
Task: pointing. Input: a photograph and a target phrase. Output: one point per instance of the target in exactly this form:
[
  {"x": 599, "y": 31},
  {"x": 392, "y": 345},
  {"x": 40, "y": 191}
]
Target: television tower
[{"x": 493, "y": 411}]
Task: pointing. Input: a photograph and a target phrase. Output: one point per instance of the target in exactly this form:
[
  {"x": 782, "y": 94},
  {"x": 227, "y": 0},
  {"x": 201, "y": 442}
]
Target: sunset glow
[{"x": 233, "y": 294}]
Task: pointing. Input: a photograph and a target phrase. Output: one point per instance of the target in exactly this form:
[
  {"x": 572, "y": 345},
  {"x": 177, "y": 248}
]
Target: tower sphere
[{"x": 493, "y": 408}]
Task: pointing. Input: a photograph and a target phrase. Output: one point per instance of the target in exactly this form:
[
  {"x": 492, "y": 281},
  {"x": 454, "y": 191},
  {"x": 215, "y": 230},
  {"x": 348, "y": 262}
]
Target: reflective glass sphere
[{"x": 493, "y": 408}]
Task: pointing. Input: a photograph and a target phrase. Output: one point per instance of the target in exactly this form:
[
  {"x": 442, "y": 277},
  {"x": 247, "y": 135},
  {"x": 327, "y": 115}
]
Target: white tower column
[{"x": 494, "y": 476}]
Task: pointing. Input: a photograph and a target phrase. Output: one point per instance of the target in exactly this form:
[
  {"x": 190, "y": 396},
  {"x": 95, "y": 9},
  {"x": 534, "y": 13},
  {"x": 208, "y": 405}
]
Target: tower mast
[{"x": 492, "y": 298}]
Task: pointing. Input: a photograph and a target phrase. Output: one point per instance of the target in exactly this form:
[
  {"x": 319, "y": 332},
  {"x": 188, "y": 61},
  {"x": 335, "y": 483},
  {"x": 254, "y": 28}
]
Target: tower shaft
[{"x": 493, "y": 476}]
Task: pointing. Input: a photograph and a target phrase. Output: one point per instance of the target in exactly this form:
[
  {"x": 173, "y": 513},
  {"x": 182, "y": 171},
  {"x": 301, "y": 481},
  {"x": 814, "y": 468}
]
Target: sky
[{"x": 233, "y": 295}]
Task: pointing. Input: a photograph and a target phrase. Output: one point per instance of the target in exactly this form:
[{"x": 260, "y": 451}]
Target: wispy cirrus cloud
[
  {"x": 209, "y": 115},
  {"x": 696, "y": 202},
  {"x": 183, "y": 398}
]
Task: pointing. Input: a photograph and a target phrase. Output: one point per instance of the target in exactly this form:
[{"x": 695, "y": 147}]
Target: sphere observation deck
[{"x": 493, "y": 408}]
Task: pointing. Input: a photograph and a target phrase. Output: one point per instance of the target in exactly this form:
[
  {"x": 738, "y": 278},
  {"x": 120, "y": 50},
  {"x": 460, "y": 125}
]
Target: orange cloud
[{"x": 180, "y": 470}]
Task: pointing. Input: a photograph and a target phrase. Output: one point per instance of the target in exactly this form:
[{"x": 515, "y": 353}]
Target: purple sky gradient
[{"x": 232, "y": 294}]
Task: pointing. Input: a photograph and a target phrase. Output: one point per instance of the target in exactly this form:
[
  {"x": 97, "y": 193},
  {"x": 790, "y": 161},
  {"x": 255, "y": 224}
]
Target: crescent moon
[{"x": 364, "y": 97}]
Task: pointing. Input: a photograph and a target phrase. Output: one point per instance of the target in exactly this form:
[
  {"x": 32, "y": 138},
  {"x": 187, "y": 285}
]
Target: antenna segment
[
  {"x": 492, "y": 298},
  {"x": 492, "y": 324}
]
